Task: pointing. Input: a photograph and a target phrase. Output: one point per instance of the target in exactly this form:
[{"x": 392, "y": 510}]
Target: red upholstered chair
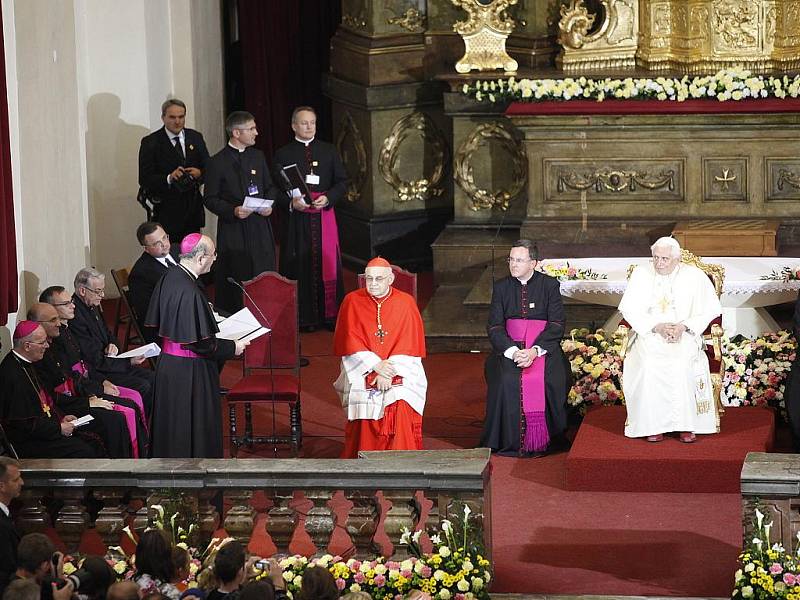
[
  {"x": 405, "y": 281},
  {"x": 714, "y": 331},
  {"x": 271, "y": 363}
]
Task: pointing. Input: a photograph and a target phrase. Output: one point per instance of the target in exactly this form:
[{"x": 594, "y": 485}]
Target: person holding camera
[
  {"x": 171, "y": 164},
  {"x": 38, "y": 560}
]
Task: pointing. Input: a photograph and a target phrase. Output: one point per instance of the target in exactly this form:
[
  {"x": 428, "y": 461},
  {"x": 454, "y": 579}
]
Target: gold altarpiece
[{"x": 438, "y": 176}]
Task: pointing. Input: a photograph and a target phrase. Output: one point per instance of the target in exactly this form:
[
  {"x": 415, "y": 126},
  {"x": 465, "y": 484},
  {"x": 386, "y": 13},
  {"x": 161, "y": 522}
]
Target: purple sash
[
  {"x": 330, "y": 254},
  {"x": 531, "y": 386},
  {"x": 170, "y": 347}
]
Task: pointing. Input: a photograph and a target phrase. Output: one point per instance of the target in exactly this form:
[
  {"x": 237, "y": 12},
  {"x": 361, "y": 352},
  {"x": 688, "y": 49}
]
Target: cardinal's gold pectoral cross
[{"x": 664, "y": 303}]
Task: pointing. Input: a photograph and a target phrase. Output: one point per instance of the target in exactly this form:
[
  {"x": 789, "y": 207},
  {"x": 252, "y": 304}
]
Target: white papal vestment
[{"x": 667, "y": 386}]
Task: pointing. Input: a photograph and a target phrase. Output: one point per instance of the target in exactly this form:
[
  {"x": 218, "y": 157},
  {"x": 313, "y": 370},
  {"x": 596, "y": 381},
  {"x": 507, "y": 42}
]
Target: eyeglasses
[
  {"x": 44, "y": 343},
  {"x": 162, "y": 242},
  {"x": 98, "y": 291},
  {"x": 67, "y": 303},
  {"x": 518, "y": 261},
  {"x": 379, "y": 279}
]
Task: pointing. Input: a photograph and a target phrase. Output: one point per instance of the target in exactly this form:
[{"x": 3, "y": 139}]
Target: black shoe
[{"x": 303, "y": 362}]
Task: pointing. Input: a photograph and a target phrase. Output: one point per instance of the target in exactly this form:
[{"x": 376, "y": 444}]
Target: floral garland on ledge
[
  {"x": 785, "y": 274},
  {"x": 756, "y": 370},
  {"x": 725, "y": 85},
  {"x": 566, "y": 273}
]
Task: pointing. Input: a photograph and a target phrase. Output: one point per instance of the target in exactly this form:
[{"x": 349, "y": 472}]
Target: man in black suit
[
  {"x": 10, "y": 487},
  {"x": 171, "y": 164},
  {"x": 245, "y": 243},
  {"x": 98, "y": 346},
  {"x": 157, "y": 258}
]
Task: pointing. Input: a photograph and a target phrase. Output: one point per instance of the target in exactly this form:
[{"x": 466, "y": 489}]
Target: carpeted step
[{"x": 602, "y": 459}]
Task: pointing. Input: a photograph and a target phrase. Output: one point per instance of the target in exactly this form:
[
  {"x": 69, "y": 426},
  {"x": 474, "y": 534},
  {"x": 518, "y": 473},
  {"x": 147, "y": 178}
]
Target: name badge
[
  {"x": 252, "y": 189},
  {"x": 312, "y": 179},
  {"x": 532, "y": 305}
]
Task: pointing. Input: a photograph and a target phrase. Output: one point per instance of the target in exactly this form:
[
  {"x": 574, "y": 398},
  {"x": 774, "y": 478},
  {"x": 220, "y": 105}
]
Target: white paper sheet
[
  {"x": 241, "y": 326},
  {"x": 83, "y": 420},
  {"x": 256, "y": 203},
  {"x": 148, "y": 351}
]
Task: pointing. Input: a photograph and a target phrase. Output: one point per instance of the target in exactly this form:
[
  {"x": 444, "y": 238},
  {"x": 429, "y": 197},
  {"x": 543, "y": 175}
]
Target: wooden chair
[
  {"x": 405, "y": 281},
  {"x": 271, "y": 365},
  {"x": 713, "y": 333},
  {"x": 129, "y": 317}
]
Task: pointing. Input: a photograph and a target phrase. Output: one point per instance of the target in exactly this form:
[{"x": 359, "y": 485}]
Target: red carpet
[
  {"x": 546, "y": 538},
  {"x": 602, "y": 459}
]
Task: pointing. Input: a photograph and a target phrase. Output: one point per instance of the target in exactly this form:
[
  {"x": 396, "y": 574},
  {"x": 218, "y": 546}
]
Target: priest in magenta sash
[
  {"x": 186, "y": 411},
  {"x": 310, "y": 240},
  {"x": 382, "y": 384},
  {"x": 527, "y": 374}
]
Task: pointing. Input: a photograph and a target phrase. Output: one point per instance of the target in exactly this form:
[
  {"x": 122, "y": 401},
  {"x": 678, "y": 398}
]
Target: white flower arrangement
[{"x": 733, "y": 84}]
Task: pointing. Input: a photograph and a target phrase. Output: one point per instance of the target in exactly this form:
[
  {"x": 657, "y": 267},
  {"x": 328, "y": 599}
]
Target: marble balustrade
[{"x": 74, "y": 496}]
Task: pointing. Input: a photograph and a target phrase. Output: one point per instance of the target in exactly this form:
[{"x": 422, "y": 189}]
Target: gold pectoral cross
[
  {"x": 381, "y": 333},
  {"x": 664, "y": 304}
]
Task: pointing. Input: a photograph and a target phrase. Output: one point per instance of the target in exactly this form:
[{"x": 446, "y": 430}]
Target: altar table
[{"x": 744, "y": 294}]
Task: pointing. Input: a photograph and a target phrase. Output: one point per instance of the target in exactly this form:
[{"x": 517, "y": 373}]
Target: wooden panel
[{"x": 726, "y": 237}]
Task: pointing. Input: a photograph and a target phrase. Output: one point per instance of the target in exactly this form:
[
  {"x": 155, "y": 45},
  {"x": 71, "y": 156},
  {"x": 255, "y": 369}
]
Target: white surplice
[
  {"x": 667, "y": 386},
  {"x": 360, "y": 402}
]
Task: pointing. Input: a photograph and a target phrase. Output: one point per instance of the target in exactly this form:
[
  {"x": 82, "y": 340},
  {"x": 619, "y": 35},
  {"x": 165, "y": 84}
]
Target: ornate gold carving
[
  {"x": 725, "y": 179},
  {"x": 615, "y": 180},
  {"x": 484, "y": 199},
  {"x": 356, "y": 165},
  {"x": 418, "y": 189},
  {"x": 612, "y": 44},
  {"x": 700, "y": 36},
  {"x": 411, "y": 20},
  {"x": 484, "y": 33}
]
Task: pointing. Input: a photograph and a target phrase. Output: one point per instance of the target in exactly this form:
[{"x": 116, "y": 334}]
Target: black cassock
[
  {"x": 55, "y": 376},
  {"x": 32, "y": 432},
  {"x": 792, "y": 393},
  {"x": 301, "y": 238},
  {"x": 186, "y": 411},
  {"x": 245, "y": 247},
  {"x": 504, "y": 424}
]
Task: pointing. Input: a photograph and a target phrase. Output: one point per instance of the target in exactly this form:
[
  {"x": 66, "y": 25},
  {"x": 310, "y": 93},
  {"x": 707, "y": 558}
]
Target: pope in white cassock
[{"x": 666, "y": 379}]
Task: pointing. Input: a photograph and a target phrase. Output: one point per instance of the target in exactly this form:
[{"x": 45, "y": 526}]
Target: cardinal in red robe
[{"x": 382, "y": 385}]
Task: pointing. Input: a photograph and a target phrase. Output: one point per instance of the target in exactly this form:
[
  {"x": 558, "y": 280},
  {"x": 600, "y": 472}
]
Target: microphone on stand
[{"x": 233, "y": 281}]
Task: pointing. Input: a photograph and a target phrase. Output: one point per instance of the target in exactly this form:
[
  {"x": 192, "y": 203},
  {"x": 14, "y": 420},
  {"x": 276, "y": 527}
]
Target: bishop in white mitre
[{"x": 666, "y": 379}]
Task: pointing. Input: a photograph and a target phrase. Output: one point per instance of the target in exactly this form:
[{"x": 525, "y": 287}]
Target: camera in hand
[
  {"x": 81, "y": 580},
  {"x": 185, "y": 183}
]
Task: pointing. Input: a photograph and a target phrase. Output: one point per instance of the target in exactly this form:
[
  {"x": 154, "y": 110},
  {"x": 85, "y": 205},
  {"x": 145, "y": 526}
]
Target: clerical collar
[
  {"x": 235, "y": 148},
  {"x": 524, "y": 281},
  {"x": 304, "y": 142},
  {"x": 18, "y": 355},
  {"x": 5, "y": 509}
]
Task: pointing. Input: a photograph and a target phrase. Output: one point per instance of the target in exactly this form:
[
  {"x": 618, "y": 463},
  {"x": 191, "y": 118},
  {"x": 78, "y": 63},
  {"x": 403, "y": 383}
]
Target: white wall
[{"x": 86, "y": 79}]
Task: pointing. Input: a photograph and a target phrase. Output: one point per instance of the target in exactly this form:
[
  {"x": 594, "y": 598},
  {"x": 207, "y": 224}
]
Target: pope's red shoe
[
  {"x": 687, "y": 437},
  {"x": 655, "y": 438}
]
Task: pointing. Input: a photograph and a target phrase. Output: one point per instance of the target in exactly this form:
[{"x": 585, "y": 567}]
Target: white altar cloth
[{"x": 744, "y": 293}]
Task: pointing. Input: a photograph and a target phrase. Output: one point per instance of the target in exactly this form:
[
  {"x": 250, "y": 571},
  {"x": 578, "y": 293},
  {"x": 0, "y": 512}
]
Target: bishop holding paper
[{"x": 666, "y": 381}]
